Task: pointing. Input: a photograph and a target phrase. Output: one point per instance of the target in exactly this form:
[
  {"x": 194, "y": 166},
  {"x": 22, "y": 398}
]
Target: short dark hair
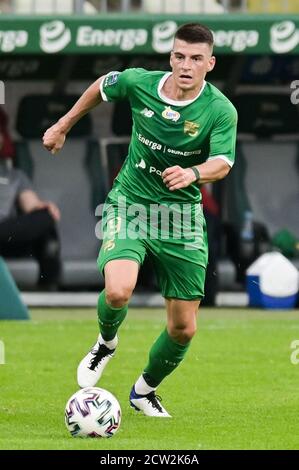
[{"x": 195, "y": 32}]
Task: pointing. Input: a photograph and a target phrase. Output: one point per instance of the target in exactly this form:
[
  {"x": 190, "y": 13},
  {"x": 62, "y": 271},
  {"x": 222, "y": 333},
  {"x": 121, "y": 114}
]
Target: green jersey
[{"x": 166, "y": 133}]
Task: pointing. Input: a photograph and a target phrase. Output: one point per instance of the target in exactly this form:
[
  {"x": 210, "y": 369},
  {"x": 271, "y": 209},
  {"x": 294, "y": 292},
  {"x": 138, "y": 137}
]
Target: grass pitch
[{"x": 236, "y": 389}]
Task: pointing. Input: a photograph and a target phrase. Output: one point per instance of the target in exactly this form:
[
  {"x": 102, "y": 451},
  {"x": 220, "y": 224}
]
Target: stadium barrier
[{"x": 11, "y": 304}]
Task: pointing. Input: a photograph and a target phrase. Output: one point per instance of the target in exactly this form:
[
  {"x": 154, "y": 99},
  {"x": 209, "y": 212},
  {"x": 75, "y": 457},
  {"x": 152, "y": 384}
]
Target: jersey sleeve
[
  {"x": 118, "y": 85},
  {"x": 223, "y": 136}
]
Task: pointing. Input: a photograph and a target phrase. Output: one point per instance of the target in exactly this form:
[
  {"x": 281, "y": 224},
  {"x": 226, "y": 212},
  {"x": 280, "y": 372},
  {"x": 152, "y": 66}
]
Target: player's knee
[
  {"x": 182, "y": 334},
  {"x": 118, "y": 296}
]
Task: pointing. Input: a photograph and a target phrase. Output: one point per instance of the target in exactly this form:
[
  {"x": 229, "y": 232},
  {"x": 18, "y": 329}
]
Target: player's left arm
[{"x": 177, "y": 177}]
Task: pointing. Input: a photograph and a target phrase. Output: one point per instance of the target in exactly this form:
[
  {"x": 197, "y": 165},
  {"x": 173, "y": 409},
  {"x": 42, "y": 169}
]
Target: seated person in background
[{"x": 27, "y": 224}]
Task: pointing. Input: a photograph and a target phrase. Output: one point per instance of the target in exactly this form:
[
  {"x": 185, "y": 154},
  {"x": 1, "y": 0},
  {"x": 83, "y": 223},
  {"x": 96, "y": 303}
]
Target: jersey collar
[{"x": 176, "y": 102}]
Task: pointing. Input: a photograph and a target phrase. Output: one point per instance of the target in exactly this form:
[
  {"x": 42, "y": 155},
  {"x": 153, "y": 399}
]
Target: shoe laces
[
  {"x": 154, "y": 400},
  {"x": 99, "y": 355}
]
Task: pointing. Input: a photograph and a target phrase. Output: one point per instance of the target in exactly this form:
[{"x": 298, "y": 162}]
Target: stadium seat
[
  {"x": 268, "y": 138},
  {"x": 264, "y": 114},
  {"x": 273, "y": 200},
  {"x": 268, "y": 143}
]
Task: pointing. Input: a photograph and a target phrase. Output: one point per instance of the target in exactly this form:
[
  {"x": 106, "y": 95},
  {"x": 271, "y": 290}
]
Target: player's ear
[
  {"x": 170, "y": 58},
  {"x": 212, "y": 62}
]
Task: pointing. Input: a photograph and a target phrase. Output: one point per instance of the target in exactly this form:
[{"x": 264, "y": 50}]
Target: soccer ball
[{"x": 92, "y": 412}]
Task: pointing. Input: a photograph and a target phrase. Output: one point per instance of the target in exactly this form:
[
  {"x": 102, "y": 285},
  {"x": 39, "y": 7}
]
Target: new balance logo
[{"x": 147, "y": 112}]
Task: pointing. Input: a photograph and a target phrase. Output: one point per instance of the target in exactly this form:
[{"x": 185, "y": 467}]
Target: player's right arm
[{"x": 54, "y": 137}]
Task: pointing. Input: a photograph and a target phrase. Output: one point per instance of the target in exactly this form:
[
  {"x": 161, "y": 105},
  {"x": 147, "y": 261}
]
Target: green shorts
[{"x": 179, "y": 264}]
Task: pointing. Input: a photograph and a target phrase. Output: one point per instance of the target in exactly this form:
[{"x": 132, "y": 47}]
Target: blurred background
[{"x": 50, "y": 51}]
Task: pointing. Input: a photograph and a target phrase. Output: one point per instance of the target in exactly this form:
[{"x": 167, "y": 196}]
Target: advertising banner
[{"x": 110, "y": 34}]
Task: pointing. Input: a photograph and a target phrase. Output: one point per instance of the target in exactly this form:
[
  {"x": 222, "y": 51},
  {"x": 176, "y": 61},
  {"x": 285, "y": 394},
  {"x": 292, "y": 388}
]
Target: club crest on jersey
[
  {"x": 191, "y": 128},
  {"x": 170, "y": 114}
]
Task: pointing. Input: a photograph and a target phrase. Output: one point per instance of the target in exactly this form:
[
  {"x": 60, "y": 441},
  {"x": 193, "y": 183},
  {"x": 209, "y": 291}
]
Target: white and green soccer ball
[{"x": 92, "y": 412}]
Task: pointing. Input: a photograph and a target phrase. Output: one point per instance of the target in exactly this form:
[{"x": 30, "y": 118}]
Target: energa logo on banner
[
  {"x": 284, "y": 37},
  {"x": 54, "y": 36}
]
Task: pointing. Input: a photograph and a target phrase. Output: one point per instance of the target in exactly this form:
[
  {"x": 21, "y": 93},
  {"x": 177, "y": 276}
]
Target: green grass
[{"x": 236, "y": 389}]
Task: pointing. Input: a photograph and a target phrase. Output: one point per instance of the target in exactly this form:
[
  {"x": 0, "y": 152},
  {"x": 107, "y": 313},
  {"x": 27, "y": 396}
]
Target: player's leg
[
  {"x": 173, "y": 343},
  {"x": 119, "y": 260},
  {"x": 165, "y": 355},
  {"x": 120, "y": 280},
  {"x": 181, "y": 277}
]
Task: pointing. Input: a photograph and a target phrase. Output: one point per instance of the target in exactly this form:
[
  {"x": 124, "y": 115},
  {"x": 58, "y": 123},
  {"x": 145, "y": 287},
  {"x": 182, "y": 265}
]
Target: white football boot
[
  {"x": 149, "y": 404},
  {"x": 93, "y": 364}
]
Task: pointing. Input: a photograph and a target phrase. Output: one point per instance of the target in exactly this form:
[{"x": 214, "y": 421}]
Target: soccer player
[{"x": 184, "y": 132}]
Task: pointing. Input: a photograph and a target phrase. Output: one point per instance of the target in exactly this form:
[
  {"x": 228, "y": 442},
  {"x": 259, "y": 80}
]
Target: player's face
[{"x": 190, "y": 64}]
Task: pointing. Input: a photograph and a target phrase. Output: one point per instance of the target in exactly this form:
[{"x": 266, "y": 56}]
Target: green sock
[
  {"x": 164, "y": 356},
  {"x": 110, "y": 318}
]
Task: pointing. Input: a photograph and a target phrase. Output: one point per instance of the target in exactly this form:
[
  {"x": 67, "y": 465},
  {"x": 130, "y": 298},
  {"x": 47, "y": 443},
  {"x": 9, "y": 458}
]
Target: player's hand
[
  {"x": 52, "y": 209},
  {"x": 176, "y": 177},
  {"x": 54, "y": 139}
]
